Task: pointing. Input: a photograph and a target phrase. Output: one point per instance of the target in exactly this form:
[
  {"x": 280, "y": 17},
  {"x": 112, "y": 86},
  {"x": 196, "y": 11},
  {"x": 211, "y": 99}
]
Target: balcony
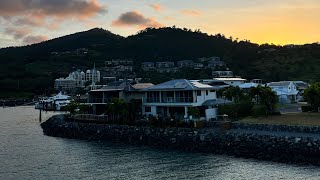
[
  {"x": 100, "y": 100},
  {"x": 168, "y": 100}
]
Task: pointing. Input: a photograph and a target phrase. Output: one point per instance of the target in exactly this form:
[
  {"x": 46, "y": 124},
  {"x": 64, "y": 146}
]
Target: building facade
[{"x": 175, "y": 97}]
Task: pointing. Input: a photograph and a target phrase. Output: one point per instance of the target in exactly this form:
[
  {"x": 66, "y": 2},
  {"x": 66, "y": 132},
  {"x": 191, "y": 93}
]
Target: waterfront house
[
  {"x": 173, "y": 98},
  {"x": 301, "y": 86},
  {"x": 127, "y": 91},
  {"x": 286, "y": 91}
]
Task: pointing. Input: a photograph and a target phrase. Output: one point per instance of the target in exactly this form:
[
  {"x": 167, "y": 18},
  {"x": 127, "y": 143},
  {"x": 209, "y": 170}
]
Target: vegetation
[
  {"x": 77, "y": 108},
  {"x": 296, "y": 119},
  {"x": 312, "y": 96},
  {"x": 258, "y": 101},
  {"x": 33, "y": 68}
]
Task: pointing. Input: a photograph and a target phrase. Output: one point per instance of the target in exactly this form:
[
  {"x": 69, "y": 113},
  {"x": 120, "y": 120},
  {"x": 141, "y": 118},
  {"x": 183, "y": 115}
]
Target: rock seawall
[{"x": 240, "y": 144}]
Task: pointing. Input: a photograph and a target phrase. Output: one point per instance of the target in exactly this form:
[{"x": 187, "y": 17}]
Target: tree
[
  {"x": 118, "y": 109},
  {"x": 232, "y": 93},
  {"x": 264, "y": 96},
  {"x": 312, "y": 95}
]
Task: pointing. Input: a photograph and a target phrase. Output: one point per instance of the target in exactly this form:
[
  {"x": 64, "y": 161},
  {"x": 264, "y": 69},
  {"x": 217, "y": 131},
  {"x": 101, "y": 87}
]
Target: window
[
  {"x": 147, "y": 109},
  {"x": 198, "y": 93},
  {"x": 207, "y": 93},
  {"x": 212, "y": 91}
]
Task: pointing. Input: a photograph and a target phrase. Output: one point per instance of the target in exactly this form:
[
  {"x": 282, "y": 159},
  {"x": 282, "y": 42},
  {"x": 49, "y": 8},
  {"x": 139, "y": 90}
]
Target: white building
[
  {"x": 65, "y": 84},
  {"x": 286, "y": 90},
  {"x": 93, "y": 75},
  {"x": 173, "y": 98},
  {"x": 233, "y": 81}
]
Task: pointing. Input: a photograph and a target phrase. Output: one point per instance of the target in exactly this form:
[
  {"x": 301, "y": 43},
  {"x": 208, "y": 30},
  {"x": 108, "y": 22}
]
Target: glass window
[
  {"x": 207, "y": 93},
  {"x": 147, "y": 109},
  {"x": 198, "y": 93}
]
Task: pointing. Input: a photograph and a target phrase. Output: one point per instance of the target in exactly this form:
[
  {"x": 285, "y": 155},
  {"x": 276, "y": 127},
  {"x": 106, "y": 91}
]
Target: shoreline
[{"x": 246, "y": 142}]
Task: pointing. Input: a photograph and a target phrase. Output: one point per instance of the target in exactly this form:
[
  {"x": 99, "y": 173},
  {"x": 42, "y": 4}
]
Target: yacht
[{"x": 57, "y": 102}]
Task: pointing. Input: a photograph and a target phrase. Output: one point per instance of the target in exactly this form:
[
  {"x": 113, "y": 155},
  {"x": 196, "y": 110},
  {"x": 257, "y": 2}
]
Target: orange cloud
[
  {"x": 156, "y": 7},
  {"x": 17, "y": 33},
  {"x": 135, "y": 18},
  {"x": 190, "y": 12}
]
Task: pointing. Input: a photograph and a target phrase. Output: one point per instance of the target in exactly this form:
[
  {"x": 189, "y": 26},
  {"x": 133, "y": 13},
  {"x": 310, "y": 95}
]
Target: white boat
[{"x": 57, "y": 102}]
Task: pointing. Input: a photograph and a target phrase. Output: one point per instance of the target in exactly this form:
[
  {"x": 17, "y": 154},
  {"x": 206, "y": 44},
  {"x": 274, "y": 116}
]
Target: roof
[
  {"x": 300, "y": 84},
  {"x": 247, "y": 85},
  {"x": 218, "y": 101},
  {"x": 142, "y": 85},
  {"x": 230, "y": 79},
  {"x": 281, "y": 83},
  {"x": 108, "y": 88},
  {"x": 180, "y": 84}
]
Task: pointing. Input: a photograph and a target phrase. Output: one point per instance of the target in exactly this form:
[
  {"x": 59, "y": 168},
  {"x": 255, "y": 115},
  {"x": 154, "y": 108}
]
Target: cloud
[
  {"x": 17, "y": 33},
  {"x": 156, "y": 7},
  {"x": 135, "y": 18},
  {"x": 34, "y": 39},
  {"x": 59, "y": 8},
  {"x": 24, "y": 34},
  {"x": 39, "y": 12},
  {"x": 190, "y": 12}
]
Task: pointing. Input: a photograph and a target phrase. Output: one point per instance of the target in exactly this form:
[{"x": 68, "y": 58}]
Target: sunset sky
[{"x": 260, "y": 21}]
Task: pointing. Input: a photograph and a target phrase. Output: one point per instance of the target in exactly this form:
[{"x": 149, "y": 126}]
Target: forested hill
[
  {"x": 33, "y": 68},
  {"x": 86, "y": 39}
]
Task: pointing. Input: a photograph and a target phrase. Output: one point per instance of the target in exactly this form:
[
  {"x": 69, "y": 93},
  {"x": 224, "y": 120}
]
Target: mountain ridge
[{"x": 35, "y": 67}]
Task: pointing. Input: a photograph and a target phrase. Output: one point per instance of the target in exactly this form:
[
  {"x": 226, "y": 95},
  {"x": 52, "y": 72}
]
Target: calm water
[{"x": 25, "y": 153}]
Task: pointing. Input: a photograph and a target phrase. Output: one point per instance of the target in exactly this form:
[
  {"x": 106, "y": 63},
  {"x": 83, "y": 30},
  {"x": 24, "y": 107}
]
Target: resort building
[
  {"x": 65, "y": 84},
  {"x": 172, "y": 99}
]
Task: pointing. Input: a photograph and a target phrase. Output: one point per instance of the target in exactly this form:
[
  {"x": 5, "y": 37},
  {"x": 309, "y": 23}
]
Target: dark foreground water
[{"x": 25, "y": 153}]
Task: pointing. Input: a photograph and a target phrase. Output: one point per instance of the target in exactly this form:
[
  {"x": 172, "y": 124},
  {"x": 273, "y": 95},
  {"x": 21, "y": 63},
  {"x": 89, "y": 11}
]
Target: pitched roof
[
  {"x": 280, "y": 83},
  {"x": 179, "y": 84},
  {"x": 142, "y": 85},
  {"x": 300, "y": 84}
]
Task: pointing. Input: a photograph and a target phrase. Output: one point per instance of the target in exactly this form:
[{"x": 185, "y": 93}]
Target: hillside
[{"x": 33, "y": 68}]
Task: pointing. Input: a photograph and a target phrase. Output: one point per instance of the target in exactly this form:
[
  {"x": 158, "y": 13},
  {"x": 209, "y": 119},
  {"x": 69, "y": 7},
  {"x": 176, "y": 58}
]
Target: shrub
[
  {"x": 258, "y": 110},
  {"x": 307, "y": 108},
  {"x": 201, "y": 124},
  {"x": 234, "y": 111}
]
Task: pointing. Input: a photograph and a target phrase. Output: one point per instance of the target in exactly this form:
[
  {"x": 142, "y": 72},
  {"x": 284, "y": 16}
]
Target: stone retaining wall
[
  {"x": 279, "y": 128},
  {"x": 248, "y": 145}
]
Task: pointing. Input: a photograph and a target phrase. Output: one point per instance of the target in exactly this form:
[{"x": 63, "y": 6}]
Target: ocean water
[{"x": 25, "y": 153}]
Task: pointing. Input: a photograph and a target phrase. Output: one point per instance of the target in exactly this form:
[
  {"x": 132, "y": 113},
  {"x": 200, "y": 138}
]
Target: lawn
[{"x": 299, "y": 119}]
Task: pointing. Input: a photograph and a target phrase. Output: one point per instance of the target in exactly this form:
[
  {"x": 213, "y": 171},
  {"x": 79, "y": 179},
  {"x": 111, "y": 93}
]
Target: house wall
[
  {"x": 133, "y": 95},
  {"x": 153, "y": 111},
  {"x": 203, "y": 97}
]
